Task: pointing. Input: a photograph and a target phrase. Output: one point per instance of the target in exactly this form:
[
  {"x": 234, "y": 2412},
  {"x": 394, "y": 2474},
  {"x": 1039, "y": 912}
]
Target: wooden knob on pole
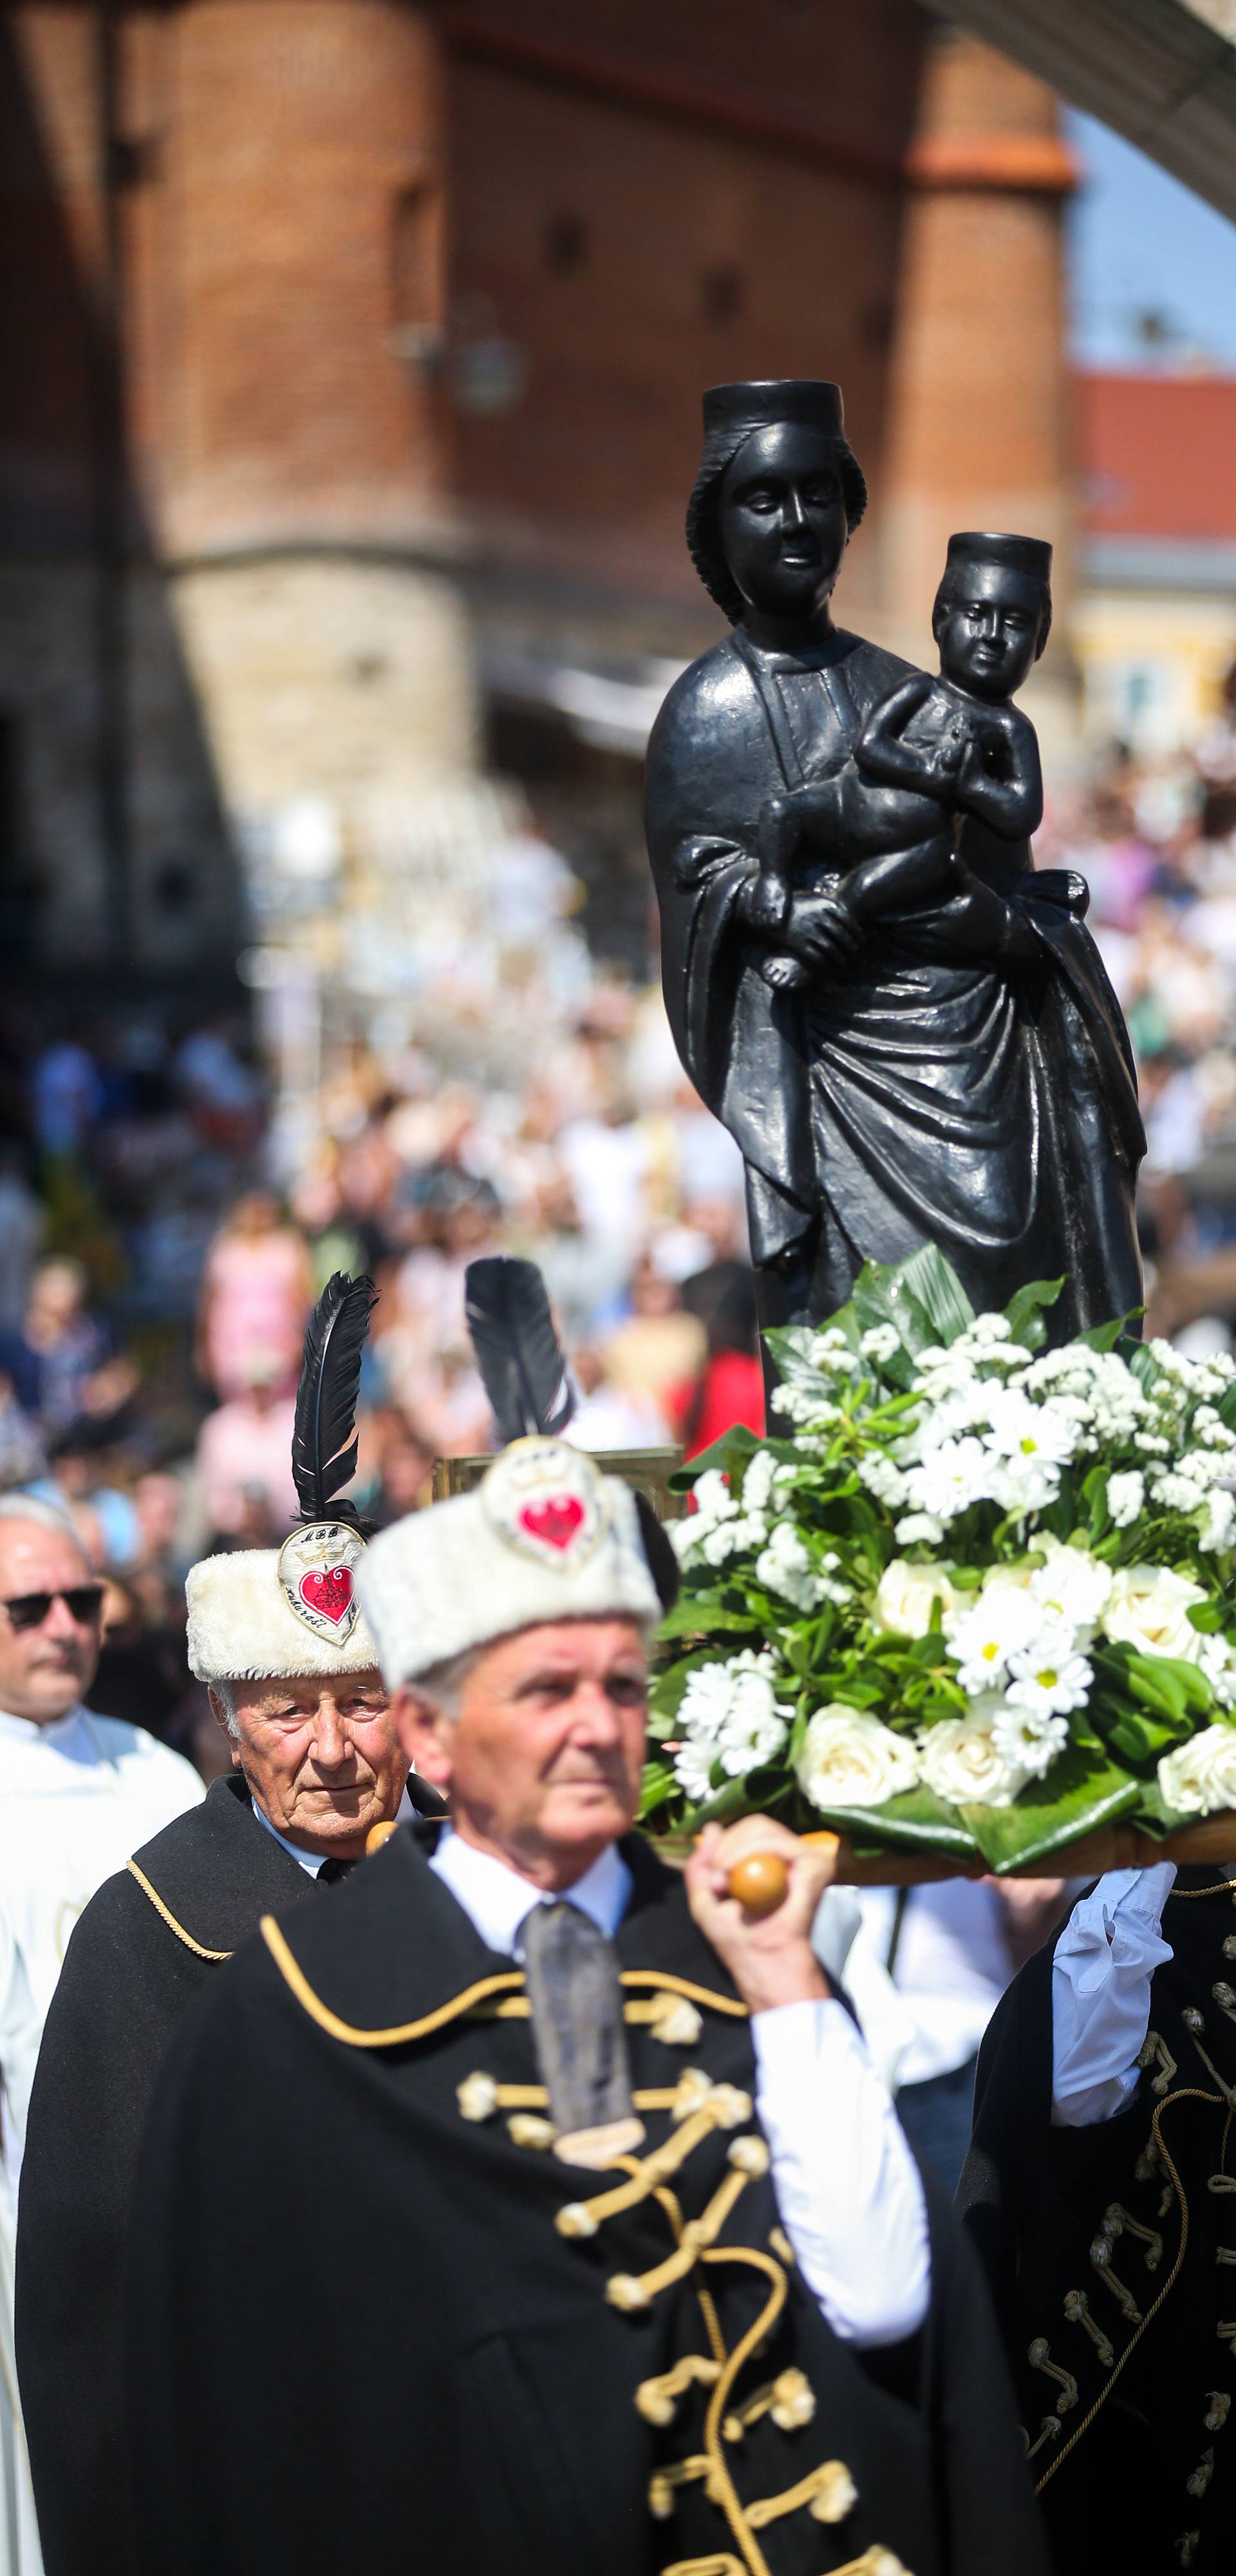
[
  {"x": 759, "y": 1883},
  {"x": 376, "y": 1836}
]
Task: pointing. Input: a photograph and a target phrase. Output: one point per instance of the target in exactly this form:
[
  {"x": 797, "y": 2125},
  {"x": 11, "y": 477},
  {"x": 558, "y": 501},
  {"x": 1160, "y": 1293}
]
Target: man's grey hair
[
  {"x": 225, "y": 1693},
  {"x": 45, "y": 1516},
  {"x": 443, "y": 1686}
]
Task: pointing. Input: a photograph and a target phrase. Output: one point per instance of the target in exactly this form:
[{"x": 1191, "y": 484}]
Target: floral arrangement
[{"x": 978, "y": 1601}]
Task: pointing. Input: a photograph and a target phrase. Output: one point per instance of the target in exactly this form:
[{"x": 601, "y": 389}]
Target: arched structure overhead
[{"x": 1162, "y": 72}]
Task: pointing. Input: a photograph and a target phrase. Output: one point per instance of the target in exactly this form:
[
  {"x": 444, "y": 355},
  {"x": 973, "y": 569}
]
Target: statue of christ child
[{"x": 931, "y": 755}]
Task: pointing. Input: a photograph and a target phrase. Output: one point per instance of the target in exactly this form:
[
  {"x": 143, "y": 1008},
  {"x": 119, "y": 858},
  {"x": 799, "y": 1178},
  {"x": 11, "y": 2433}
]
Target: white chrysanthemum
[
  {"x": 693, "y": 1770},
  {"x": 1073, "y": 1584},
  {"x": 1126, "y": 1496},
  {"x": 961, "y": 1760},
  {"x": 1149, "y": 1609},
  {"x": 905, "y": 1595},
  {"x": 1199, "y": 1777},
  {"x": 1020, "y": 1430},
  {"x": 1029, "y": 1740},
  {"x": 950, "y": 1478},
  {"x": 850, "y": 1759},
  {"x": 998, "y": 1625},
  {"x": 1049, "y": 1678},
  {"x": 731, "y": 1711}
]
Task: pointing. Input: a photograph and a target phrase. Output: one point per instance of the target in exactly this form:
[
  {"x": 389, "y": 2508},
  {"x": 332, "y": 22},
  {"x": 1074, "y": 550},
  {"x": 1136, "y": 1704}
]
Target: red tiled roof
[{"x": 1158, "y": 455}]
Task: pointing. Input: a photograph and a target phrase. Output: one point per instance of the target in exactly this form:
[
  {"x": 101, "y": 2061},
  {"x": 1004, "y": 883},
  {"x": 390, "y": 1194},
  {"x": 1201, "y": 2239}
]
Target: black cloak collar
[
  {"x": 216, "y": 1870},
  {"x": 395, "y": 1948}
]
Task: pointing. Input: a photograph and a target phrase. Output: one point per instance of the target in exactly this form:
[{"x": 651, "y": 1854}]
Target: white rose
[
  {"x": 1200, "y": 1776},
  {"x": 962, "y": 1762},
  {"x": 1149, "y": 1609},
  {"x": 850, "y": 1759},
  {"x": 904, "y": 1597}
]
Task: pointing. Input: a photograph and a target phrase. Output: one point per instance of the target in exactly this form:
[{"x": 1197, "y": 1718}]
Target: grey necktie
[{"x": 579, "y": 2035}]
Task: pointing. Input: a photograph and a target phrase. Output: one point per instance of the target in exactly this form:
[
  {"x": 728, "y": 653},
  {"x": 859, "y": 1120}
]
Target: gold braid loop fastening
[
  {"x": 683, "y": 2473},
  {"x": 721, "y": 2563},
  {"x": 1218, "y": 2408},
  {"x": 1077, "y": 2310},
  {"x": 828, "y": 2492},
  {"x": 1152, "y": 2052},
  {"x": 630, "y": 2291},
  {"x": 1187, "y": 2093},
  {"x": 655, "y": 2399},
  {"x": 480, "y": 2098},
  {"x": 1197, "y": 2483},
  {"x": 789, "y": 2399},
  {"x": 699, "y": 2107},
  {"x": 874, "y": 2562},
  {"x": 1039, "y": 2358},
  {"x": 1117, "y": 2222},
  {"x": 1101, "y": 2257}
]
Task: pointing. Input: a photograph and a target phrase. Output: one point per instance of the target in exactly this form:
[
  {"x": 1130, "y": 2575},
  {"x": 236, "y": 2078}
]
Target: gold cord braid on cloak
[
  {"x": 165, "y": 1911},
  {"x": 1189, "y": 2093},
  {"x": 698, "y": 2107}
]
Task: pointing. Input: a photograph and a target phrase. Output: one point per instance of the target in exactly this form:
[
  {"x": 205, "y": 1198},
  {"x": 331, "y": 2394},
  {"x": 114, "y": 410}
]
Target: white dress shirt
[
  {"x": 1100, "y": 1993},
  {"x": 952, "y": 1967},
  {"x": 311, "y": 1862},
  {"x": 847, "y": 2186}
]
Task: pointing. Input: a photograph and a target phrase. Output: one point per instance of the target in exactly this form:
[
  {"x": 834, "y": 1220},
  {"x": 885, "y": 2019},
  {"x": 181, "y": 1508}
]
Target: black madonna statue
[{"x": 909, "y": 1032}]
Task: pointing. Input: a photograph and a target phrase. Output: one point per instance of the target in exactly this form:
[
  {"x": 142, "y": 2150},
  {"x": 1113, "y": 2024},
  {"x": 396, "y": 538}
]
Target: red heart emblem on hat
[
  {"x": 328, "y": 1589},
  {"x": 555, "y": 1521}
]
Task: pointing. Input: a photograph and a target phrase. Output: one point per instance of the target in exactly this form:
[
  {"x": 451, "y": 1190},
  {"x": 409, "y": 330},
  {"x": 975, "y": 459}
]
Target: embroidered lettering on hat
[
  {"x": 317, "y": 1572},
  {"x": 548, "y": 1500}
]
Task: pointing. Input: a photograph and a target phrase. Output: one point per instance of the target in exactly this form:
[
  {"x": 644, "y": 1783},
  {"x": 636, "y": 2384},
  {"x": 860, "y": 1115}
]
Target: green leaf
[
  {"x": 1207, "y": 1616},
  {"x": 695, "y": 1615},
  {"x": 1081, "y": 1791},
  {"x": 928, "y": 1284},
  {"x": 915, "y": 1821},
  {"x": 1024, "y": 1312},
  {"x": 659, "y": 1784},
  {"x": 727, "y": 1452}
]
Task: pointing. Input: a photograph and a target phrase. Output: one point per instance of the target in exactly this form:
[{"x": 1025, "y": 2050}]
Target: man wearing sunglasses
[
  {"x": 292, "y": 1672},
  {"x": 78, "y": 1793}
]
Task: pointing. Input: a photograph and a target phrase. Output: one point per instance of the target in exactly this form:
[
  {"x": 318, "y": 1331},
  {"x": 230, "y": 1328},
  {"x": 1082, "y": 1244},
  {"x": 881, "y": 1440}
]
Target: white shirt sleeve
[
  {"x": 847, "y": 2185},
  {"x": 1100, "y": 1993}
]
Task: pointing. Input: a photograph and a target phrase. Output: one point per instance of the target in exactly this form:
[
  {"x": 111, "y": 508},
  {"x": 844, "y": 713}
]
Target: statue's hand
[{"x": 821, "y": 930}]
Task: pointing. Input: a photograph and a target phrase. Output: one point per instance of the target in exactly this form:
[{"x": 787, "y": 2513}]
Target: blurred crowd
[{"x": 167, "y": 1217}]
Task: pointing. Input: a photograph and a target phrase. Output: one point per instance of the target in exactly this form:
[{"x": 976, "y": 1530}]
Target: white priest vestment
[{"x": 76, "y": 1798}]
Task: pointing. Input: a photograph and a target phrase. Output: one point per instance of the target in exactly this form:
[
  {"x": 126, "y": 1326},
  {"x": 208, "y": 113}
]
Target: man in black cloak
[
  {"x": 537, "y": 2209},
  {"x": 1100, "y": 2191},
  {"x": 959, "y": 1076},
  {"x": 294, "y": 1682}
]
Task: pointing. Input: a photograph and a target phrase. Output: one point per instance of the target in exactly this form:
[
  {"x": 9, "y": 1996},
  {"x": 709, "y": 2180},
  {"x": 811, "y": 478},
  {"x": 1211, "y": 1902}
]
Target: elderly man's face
[
  {"x": 322, "y": 1758},
  {"x": 544, "y": 1756},
  {"x": 50, "y": 1614}
]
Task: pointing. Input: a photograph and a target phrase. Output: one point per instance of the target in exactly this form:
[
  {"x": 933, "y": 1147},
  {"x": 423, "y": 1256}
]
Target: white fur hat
[
  {"x": 277, "y": 1613},
  {"x": 544, "y": 1536}
]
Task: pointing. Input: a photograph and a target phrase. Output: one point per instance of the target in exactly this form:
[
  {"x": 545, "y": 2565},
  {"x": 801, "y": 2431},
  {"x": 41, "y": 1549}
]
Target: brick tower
[{"x": 978, "y": 383}]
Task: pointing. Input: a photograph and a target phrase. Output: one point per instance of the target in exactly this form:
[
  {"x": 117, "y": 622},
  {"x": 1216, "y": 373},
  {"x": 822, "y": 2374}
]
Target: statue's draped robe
[{"x": 985, "y": 1105}]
